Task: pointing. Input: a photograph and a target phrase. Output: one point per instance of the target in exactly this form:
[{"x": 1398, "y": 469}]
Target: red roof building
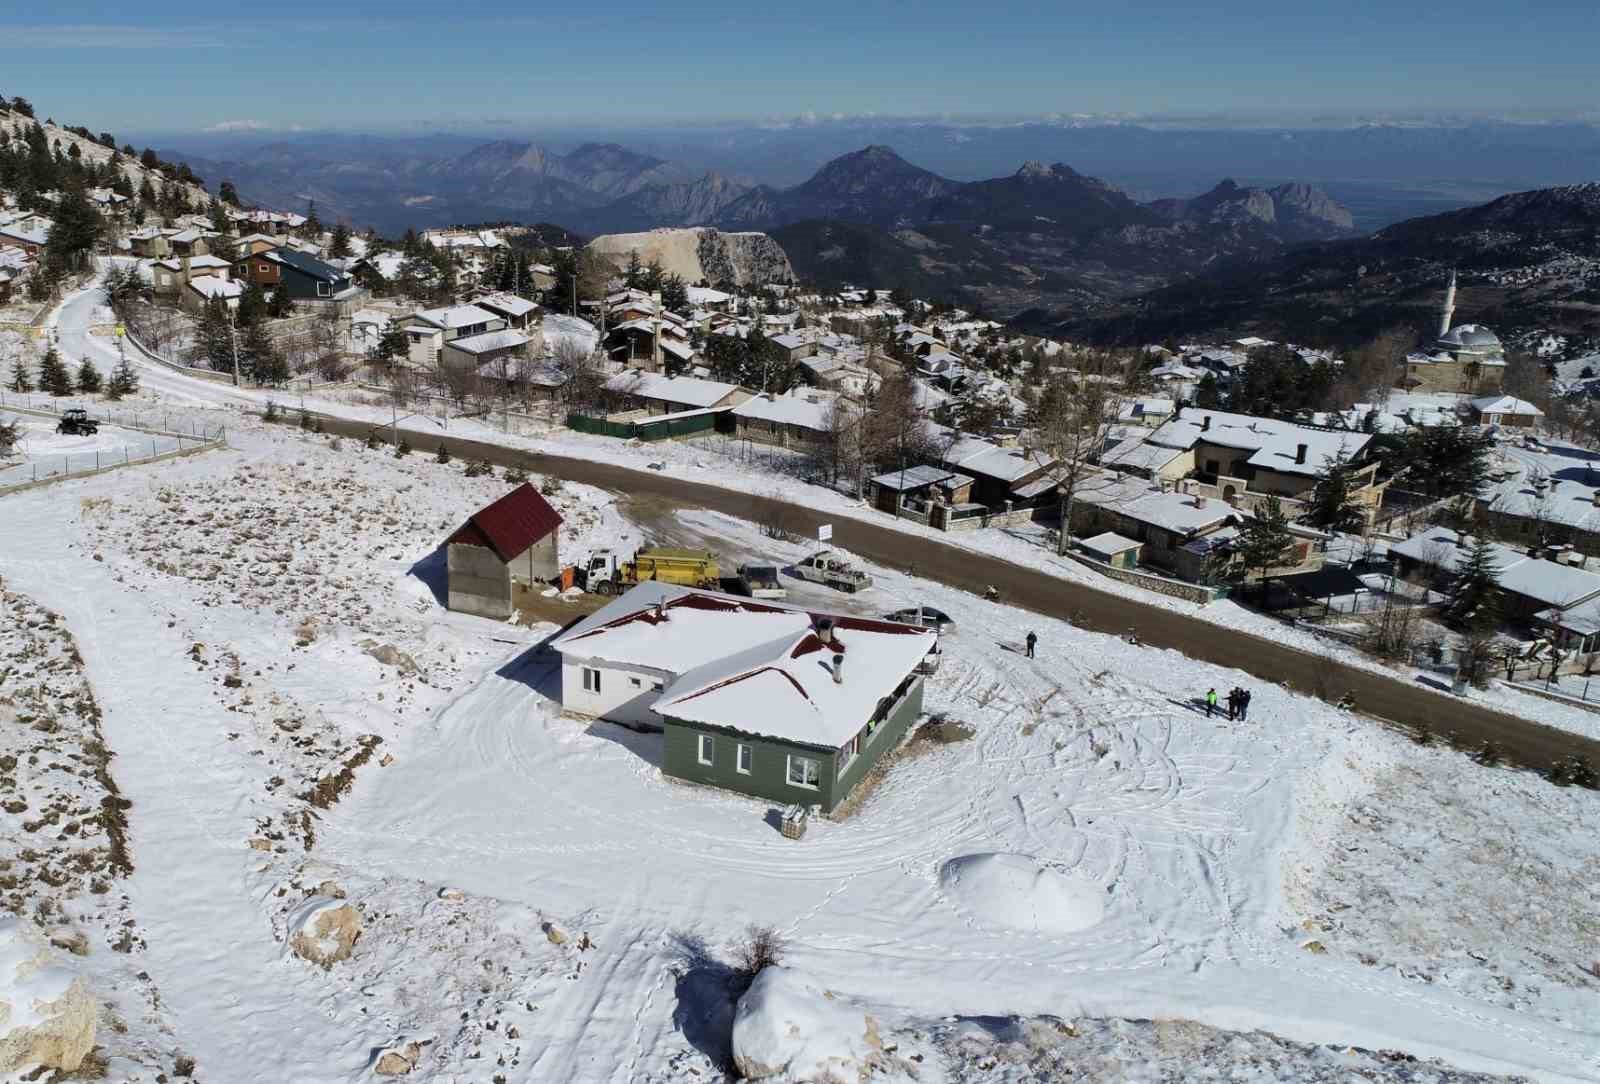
[{"x": 504, "y": 547}]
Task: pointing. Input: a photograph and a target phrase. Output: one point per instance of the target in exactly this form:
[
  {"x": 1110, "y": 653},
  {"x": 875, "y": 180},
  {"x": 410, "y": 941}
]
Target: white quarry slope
[{"x": 701, "y": 254}]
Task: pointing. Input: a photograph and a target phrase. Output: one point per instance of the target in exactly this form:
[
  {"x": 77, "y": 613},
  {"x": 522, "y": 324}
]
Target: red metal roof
[{"x": 511, "y": 524}]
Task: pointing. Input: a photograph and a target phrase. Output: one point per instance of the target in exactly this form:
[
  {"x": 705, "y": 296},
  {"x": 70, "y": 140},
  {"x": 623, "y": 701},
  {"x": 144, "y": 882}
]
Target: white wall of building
[{"x": 625, "y": 696}]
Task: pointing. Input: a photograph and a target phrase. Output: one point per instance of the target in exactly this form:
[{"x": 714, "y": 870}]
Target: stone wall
[
  {"x": 1189, "y": 592},
  {"x": 478, "y": 582}
]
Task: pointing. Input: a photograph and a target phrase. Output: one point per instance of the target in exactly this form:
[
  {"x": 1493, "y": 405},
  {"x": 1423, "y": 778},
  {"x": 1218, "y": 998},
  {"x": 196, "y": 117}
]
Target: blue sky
[{"x": 478, "y": 64}]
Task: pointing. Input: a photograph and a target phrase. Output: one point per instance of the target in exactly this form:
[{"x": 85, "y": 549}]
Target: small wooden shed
[{"x": 510, "y": 542}]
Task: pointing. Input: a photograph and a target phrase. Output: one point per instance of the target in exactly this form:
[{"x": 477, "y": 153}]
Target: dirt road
[{"x": 1384, "y": 697}]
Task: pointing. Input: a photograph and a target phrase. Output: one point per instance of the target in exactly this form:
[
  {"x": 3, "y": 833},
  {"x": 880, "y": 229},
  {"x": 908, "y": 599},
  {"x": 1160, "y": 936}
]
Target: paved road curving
[{"x": 1527, "y": 743}]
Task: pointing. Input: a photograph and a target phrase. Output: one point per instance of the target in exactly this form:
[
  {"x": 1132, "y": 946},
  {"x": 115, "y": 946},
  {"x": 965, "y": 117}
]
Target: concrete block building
[{"x": 504, "y": 547}]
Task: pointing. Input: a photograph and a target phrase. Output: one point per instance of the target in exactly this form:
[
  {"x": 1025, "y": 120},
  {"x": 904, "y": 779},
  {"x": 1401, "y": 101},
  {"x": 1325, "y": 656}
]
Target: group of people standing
[{"x": 1238, "y": 703}]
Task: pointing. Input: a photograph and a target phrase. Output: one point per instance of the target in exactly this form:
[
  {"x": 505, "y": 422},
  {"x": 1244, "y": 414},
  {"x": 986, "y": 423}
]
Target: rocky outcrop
[
  {"x": 324, "y": 930},
  {"x": 786, "y": 1028},
  {"x": 695, "y": 255},
  {"x": 397, "y": 1060},
  {"x": 1290, "y": 212},
  {"x": 46, "y": 1011}
]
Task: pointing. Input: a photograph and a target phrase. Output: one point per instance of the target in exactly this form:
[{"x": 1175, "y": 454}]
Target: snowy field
[
  {"x": 303, "y": 731},
  {"x": 41, "y": 452}
]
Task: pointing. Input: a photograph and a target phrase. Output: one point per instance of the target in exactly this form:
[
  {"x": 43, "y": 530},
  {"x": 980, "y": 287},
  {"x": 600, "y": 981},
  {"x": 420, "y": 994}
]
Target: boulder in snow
[
  {"x": 397, "y": 1060},
  {"x": 324, "y": 931},
  {"x": 787, "y": 1029},
  {"x": 390, "y": 655},
  {"x": 46, "y": 1012}
]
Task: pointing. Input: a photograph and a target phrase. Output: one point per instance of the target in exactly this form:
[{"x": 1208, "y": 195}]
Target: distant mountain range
[
  {"x": 1527, "y": 261},
  {"x": 1044, "y": 236}
]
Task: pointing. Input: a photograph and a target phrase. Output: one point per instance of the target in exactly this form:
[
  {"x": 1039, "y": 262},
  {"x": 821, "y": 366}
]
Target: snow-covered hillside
[{"x": 322, "y": 762}]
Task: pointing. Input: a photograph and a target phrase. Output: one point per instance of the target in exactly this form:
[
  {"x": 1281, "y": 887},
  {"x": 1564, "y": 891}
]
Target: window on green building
[
  {"x": 804, "y": 772},
  {"x": 708, "y": 749},
  {"x": 746, "y": 759}
]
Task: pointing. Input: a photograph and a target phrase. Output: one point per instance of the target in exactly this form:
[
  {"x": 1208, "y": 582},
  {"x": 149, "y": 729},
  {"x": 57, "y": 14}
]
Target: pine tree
[
  {"x": 444, "y": 454},
  {"x": 21, "y": 381},
  {"x": 1265, "y": 541},
  {"x": 89, "y": 382},
  {"x": 313, "y": 226},
  {"x": 213, "y": 340},
  {"x": 340, "y": 245},
  {"x": 124, "y": 380},
  {"x": 402, "y": 449},
  {"x": 1333, "y": 505},
  {"x": 373, "y": 443},
  {"x": 53, "y": 375},
  {"x": 259, "y": 357},
  {"x": 1474, "y": 605}
]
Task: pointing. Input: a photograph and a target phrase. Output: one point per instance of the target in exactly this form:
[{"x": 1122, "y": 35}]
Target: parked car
[
  {"x": 75, "y": 421},
  {"x": 761, "y": 581},
  {"x": 926, "y": 616}
]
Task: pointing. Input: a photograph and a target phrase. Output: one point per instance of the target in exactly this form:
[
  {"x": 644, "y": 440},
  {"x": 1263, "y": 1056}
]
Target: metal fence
[
  {"x": 167, "y": 438},
  {"x": 643, "y": 428}
]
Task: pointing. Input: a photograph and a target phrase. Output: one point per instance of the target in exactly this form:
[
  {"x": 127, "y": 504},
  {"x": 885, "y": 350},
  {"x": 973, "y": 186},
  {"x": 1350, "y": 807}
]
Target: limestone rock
[
  {"x": 390, "y": 655},
  {"x": 324, "y": 931},
  {"x": 746, "y": 259},
  {"x": 397, "y": 1060},
  {"x": 47, "y": 1014}
]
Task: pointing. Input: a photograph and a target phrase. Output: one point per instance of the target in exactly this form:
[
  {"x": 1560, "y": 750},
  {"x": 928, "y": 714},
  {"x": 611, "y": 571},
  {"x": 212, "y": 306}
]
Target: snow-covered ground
[
  {"x": 251, "y": 620},
  {"x": 41, "y": 452}
]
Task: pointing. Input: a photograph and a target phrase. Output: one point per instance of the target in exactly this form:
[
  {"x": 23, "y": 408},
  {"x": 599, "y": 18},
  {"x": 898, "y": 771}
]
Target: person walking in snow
[
  {"x": 1032, "y": 639},
  {"x": 1211, "y": 702},
  {"x": 1244, "y": 704},
  {"x": 1233, "y": 703}
]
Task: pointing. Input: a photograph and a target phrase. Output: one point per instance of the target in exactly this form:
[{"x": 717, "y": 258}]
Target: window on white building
[
  {"x": 591, "y": 680},
  {"x": 804, "y": 772},
  {"x": 746, "y": 758},
  {"x": 708, "y": 749}
]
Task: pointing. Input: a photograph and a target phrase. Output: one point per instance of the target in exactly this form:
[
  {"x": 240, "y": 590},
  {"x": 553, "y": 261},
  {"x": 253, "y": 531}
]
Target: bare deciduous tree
[{"x": 1070, "y": 424}]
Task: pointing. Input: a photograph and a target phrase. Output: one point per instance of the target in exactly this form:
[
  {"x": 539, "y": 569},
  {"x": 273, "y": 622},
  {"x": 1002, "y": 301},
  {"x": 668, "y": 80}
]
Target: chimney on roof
[
  {"x": 655, "y": 338},
  {"x": 183, "y": 265},
  {"x": 1199, "y": 500},
  {"x": 1205, "y": 422},
  {"x": 838, "y": 669},
  {"x": 1300, "y": 453},
  {"x": 661, "y": 609},
  {"x": 825, "y": 629}
]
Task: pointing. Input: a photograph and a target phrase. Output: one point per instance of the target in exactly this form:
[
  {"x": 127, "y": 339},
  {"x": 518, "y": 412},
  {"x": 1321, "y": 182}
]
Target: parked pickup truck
[
  {"x": 606, "y": 575},
  {"x": 834, "y": 570},
  {"x": 761, "y": 581}
]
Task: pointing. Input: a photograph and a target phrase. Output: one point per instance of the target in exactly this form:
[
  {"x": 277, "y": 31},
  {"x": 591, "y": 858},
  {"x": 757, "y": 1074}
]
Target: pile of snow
[
  {"x": 324, "y": 930},
  {"x": 46, "y": 1013},
  {"x": 1015, "y": 891},
  {"x": 786, "y": 1029}
]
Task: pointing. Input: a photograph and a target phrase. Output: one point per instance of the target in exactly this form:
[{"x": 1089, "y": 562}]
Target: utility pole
[{"x": 233, "y": 342}]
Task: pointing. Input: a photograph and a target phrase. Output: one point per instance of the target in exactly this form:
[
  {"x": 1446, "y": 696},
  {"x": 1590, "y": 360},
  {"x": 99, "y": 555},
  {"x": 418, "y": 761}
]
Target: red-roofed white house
[{"x": 768, "y": 700}]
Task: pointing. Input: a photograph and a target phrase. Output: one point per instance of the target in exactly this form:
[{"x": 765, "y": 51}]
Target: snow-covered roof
[
  {"x": 1145, "y": 503},
  {"x": 1137, "y": 453},
  {"x": 33, "y": 235},
  {"x": 1109, "y": 544},
  {"x": 1549, "y": 582},
  {"x": 785, "y": 410},
  {"x": 175, "y": 263},
  {"x": 1274, "y": 444},
  {"x": 704, "y": 295},
  {"x": 455, "y": 316},
  {"x": 507, "y": 339},
  {"x": 1506, "y": 404},
  {"x": 671, "y": 389},
  {"x": 975, "y": 456},
  {"x": 508, "y": 303},
  {"x": 919, "y": 476},
  {"x": 215, "y": 286},
  {"x": 1144, "y": 408},
  {"x": 754, "y": 666}
]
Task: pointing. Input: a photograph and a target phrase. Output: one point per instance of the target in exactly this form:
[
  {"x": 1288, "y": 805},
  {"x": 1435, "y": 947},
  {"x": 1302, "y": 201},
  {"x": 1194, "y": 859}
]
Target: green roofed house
[{"x": 772, "y": 701}]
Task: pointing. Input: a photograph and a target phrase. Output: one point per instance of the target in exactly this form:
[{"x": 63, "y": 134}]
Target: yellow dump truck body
[{"x": 692, "y": 568}]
